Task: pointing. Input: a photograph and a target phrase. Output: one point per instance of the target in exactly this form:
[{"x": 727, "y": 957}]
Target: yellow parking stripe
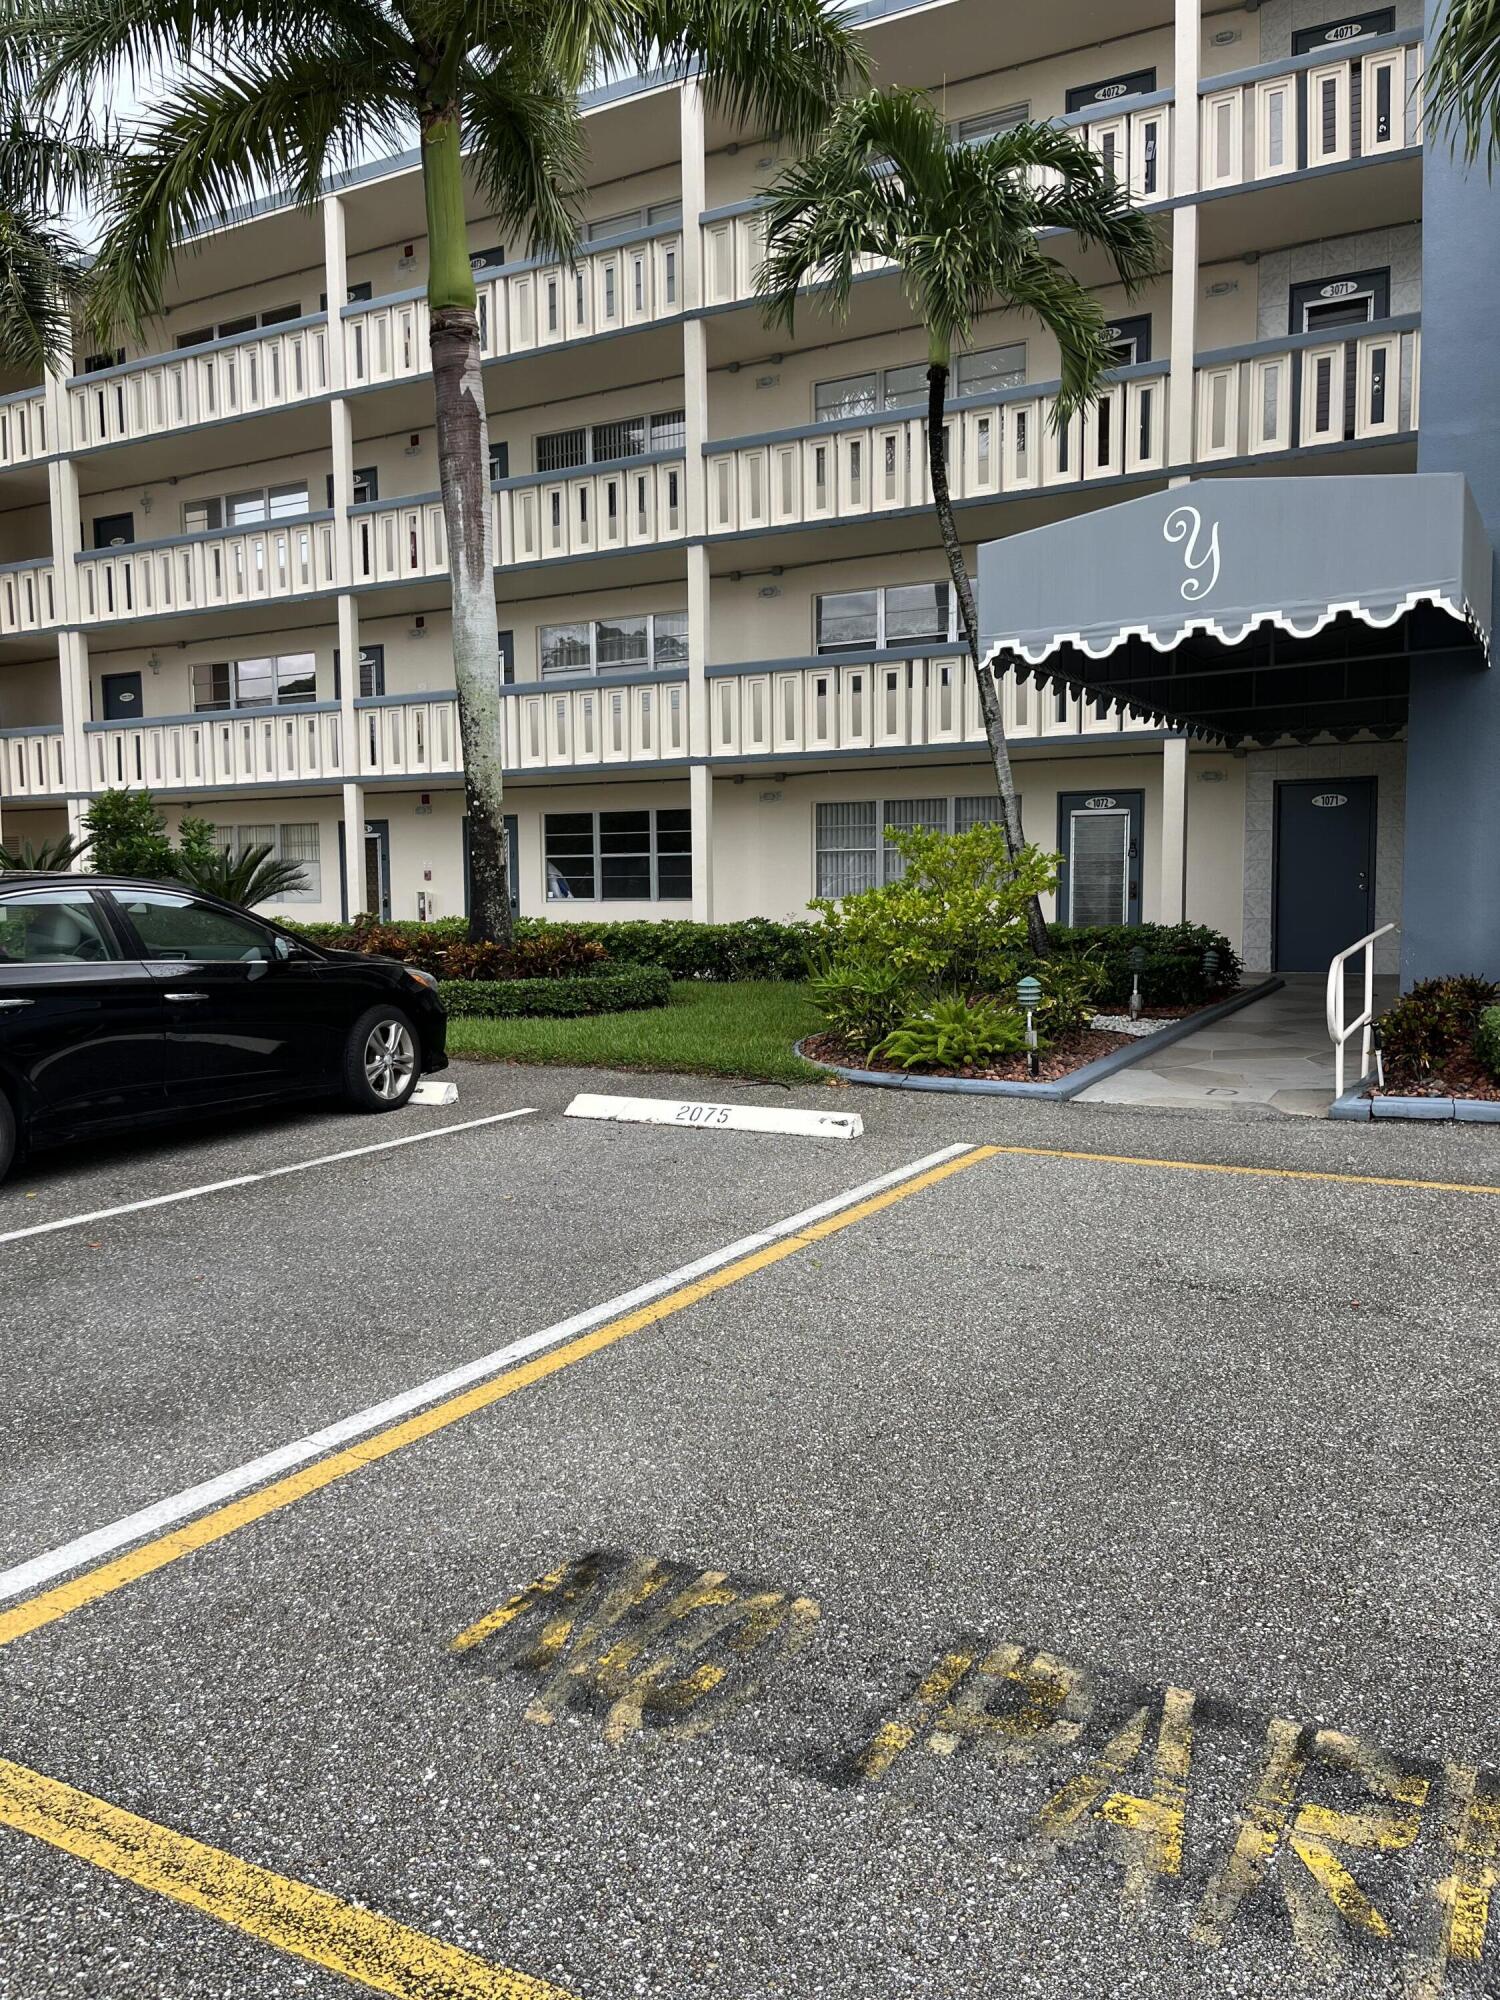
[
  {"x": 50, "y": 1605},
  {"x": 360, "y": 1944},
  {"x": 1266, "y": 1173}
]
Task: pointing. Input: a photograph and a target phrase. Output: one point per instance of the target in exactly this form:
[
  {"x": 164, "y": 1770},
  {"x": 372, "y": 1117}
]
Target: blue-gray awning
[{"x": 1248, "y": 606}]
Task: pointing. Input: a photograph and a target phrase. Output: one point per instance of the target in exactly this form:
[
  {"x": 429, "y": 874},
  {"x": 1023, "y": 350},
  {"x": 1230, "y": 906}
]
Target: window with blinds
[
  {"x": 296, "y": 841},
  {"x": 852, "y": 852}
]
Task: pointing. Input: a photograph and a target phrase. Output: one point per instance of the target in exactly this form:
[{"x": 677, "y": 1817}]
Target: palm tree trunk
[
  {"x": 463, "y": 473},
  {"x": 989, "y": 693}
]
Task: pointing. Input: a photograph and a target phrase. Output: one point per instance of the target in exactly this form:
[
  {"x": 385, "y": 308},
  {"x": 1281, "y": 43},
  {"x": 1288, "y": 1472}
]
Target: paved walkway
[{"x": 1275, "y": 1053}]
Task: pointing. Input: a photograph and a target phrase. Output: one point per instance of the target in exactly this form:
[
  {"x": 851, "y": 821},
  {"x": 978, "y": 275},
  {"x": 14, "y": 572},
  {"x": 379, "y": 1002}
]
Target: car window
[
  {"x": 60, "y": 927},
  {"x": 178, "y": 927}
]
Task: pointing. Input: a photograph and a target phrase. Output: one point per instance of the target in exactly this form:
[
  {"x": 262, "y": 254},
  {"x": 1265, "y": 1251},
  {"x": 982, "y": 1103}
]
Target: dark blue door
[{"x": 1325, "y": 870}]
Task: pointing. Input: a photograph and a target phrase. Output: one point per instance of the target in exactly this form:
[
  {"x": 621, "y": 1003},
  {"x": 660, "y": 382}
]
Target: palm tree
[
  {"x": 961, "y": 223},
  {"x": 1463, "y": 77},
  {"x": 47, "y": 166},
  {"x": 272, "y": 94},
  {"x": 246, "y": 875},
  {"x": 46, "y": 856}
]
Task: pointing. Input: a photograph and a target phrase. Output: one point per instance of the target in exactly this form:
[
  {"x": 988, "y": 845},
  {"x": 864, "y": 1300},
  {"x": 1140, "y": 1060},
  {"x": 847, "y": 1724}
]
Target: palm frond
[
  {"x": 782, "y": 65},
  {"x": 280, "y": 120},
  {"x": 1463, "y": 78},
  {"x": 525, "y": 147},
  {"x": 246, "y": 875}
]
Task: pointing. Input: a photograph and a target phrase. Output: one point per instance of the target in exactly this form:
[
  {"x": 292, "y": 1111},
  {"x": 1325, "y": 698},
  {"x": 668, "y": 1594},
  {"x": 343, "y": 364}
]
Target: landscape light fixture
[{"x": 1029, "y": 993}]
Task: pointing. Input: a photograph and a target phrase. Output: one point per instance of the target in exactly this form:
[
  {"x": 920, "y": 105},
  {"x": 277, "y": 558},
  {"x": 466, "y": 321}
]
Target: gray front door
[
  {"x": 121, "y": 694},
  {"x": 1325, "y": 870},
  {"x": 1099, "y": 837}
]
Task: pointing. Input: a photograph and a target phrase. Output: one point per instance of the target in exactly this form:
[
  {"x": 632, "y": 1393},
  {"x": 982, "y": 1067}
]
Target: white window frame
[
  {"x": 231, "y": 839},
  {"x": 881, "y": 379},
  {"x": 215, "y": 507},
  {"x": 653, "y": 851},
  {"x": 605, "y": 227},
  {"x": 989, "y": 124},
  {"x": 886, "y": 862},
  {"x": 881, "y": 641},
  {"x": 648, "y": 665},
  {"x": 236, "y": 706}
]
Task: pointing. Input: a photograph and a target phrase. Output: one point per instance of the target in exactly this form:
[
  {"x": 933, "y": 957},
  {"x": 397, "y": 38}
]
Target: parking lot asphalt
[{"x": 1060, "y": 1565}]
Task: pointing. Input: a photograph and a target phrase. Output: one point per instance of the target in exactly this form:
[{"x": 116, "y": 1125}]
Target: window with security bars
[
  {"x": 852, "y": 852},
  {"x": 598, "y": 444},
  {"x": 296, "y": 841},
  {"x": 640, "y": 855}
]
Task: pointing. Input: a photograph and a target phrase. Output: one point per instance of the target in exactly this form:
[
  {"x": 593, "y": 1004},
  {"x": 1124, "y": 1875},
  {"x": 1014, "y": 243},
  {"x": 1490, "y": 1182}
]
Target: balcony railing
[
  {"x": 1316, "y": 111},
  {"x": 871, "y": 701},
  {"x": 23, "y": 428},
  {"x": 281, "y": 559},
  {"x": 28, "y": 596},
  {"x": 631, "y": 504},
  {"x": 202, "y": 752},
  {"x": 1134, "y": 142},
  {"x": 31, "y": 763},
  {"x": 554, "y": 728},
  {"x": 271, "y": 369},
  {"x": 1311, "y": 390},
  {"x": 526, "y": 307},
  {"x": 878, "y": 464}
]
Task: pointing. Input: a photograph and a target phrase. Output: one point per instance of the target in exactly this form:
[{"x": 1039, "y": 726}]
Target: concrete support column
[
  {"x": 354, "y": 849},
  {"x": 701, "y": 800},
  {"x": 73, "y": 678},
  {"x": 1187, "y": 63},
  {"x": 72, "y": 646},
  {"x": 1172, "y": 895}
]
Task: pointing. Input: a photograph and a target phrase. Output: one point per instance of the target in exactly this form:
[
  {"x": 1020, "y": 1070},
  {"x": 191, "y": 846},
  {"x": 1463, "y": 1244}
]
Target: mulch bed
[
  {"x": 1059, "y": 1061},
  {"x": 1461, "y": 1076}
]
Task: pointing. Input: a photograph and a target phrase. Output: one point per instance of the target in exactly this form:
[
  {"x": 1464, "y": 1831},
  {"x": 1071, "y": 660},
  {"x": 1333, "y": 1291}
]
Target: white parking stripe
[
  {"x": 249, "y": 1180},
  {"x": 167, "y": 1513}
]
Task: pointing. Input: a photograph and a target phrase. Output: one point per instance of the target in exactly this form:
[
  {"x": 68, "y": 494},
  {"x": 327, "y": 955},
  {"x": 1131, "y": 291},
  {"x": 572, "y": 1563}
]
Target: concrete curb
[
  {"x": 1414, "y": 1110},
  {"x": 1065, "y": 1087}
]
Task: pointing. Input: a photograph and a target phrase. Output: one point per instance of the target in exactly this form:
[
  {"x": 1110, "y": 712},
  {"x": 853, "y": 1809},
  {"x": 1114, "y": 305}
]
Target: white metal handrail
[{"x": 1363, "y": 1025}]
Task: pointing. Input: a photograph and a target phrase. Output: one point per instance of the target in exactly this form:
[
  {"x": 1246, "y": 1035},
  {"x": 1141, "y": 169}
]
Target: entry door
[
  {"x": 1325, "y": 870},
  {"x": 1132, "y": 339},
  {"x": 121, "y": 695},
  {"x": 1099, "y": 837},
  {"x": 1336, "y": 35},
  {"x": 114, "y": 531},
  {"x": 1324, "y": 305},
  {"x": 1135, "y": 83},
  {"x": 377, "y": 899}
]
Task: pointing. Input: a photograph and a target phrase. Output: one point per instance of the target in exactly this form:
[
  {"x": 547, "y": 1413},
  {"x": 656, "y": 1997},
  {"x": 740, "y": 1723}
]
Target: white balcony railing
[
  {"x": 880, "y": 704},
  {"x": 28, "y": 597},
  {"x": 200, "y": 752},
  {"x": 879, "y": 464},
  {"x": 1252, "y": 401},
  {"x": 283, "y": 559},
  {"x": 1318, "y": 113},
  {"x": 272, "y": 369},
  {"x": 31, "y": 763},
  {"x": 23, "y": 428},
  {"x": 626, "y": 506},
  {"x": 567, "y": 728},
  {"x": 525, "y": 308},
  {"x": 1134, "y": 144}
]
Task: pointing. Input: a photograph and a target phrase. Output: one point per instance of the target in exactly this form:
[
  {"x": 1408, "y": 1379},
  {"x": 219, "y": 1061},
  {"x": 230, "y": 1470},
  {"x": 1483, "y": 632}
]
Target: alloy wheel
[{"x": 390, "y": 1059}]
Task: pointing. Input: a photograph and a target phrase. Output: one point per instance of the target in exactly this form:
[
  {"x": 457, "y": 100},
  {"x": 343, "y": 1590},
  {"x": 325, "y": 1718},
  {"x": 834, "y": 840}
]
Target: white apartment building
[{"x": 724, "y": 627}]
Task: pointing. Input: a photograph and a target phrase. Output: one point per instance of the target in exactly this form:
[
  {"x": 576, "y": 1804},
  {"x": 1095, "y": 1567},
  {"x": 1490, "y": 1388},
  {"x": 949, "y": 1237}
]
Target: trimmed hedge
[
  {"x": 628, "y": 990},
  {"x": 753, "y": 949},
  {"x": 1487, "y": 1041}
]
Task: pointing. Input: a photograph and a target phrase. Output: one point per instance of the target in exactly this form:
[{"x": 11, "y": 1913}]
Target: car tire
[
  {"x": 382, "y": 1060},
  {"x": 9, "y": 1149}
]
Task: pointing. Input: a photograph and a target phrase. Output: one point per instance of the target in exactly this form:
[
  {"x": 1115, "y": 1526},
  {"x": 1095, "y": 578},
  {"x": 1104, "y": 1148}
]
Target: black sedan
[{"x": 123, "y": 1001}]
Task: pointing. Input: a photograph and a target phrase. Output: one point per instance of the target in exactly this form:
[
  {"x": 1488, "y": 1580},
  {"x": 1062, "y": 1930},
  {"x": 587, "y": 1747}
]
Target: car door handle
[
  {"x": 184, "y": 996},
  {"x": 14, "y": 1006}
]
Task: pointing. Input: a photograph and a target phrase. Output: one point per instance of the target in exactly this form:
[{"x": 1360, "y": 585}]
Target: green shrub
[
  {"x": 1487, "y": 1041},
  {"x": 1173, "y": 974},
  {"x": 956, "y": 920},
  {"x": 1427, "y": 1026},
  {"x": 956, "y": 1034},
  {"x": 129, "y": 836},
  {"x": 860, "y": 996},
  {"x": 1071, "y": 990},
  {"x": 613, "y": 992}
]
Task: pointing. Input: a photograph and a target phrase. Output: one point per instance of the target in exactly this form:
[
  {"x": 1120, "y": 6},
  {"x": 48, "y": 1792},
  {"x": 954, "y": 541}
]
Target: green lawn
[{"x": 707, "y": 1030}]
